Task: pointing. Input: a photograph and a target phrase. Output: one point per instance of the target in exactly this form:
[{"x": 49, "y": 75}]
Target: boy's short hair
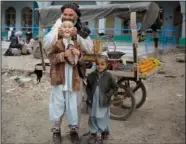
[{"x": 103, "y": 57}]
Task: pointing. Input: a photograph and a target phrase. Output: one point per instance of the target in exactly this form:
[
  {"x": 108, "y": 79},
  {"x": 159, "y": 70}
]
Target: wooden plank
[
  {"x": 133, "y": 26},
  {"x": 119, "y": 73},
  {"x": 116, "y": 73},
  {"x": 135, "y": 43},
  {"x": 151, "y": 73}
]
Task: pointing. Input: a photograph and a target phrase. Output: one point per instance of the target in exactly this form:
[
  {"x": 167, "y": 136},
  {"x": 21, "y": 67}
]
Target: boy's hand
[
  {"x": 76, "y": 52},
  {"x": 68, "y": 53}
]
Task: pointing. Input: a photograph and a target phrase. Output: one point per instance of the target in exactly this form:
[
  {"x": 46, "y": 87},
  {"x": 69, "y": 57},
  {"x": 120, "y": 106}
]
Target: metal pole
[
  {"x": 135, "y": 61},
  {"x": 42, "y": 58},
  {"x": 40, "y": 46},
  {"x": 156, "y": 50}
]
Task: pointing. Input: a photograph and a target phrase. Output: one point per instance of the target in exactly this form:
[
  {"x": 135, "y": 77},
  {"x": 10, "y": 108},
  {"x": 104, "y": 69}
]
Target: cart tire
[
  {"x": 144, "y": 93},
  {"x": 130, "y": 94}
]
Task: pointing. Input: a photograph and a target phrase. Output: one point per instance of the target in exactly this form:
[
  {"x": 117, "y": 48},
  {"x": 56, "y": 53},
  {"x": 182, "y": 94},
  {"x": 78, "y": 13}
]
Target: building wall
[
  {"x": 169, "y": 14},
  {"x": 117, "y": 24},
  {"x": 109, "y": 23},
  {"x": 112, "y": 23},
  {"x": 18, "y": 5},
  {"x": 91, "y": 25},
  {"x": 168, "y": 9},
  {"x": 78, "y": 2}
]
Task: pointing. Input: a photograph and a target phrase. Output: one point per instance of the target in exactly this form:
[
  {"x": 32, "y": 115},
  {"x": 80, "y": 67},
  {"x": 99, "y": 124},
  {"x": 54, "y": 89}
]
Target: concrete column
[
  {"x": 183, "y": 26},
  {"x": 183, "y": 38},
  {"x": 91, "y": 25},
  {"x": 182, "y": 5},
  {"x": 18, "y": 19},
  {"x": 102, "y": 21},
  {"x": 117, "y": 24},
  {"x": 3, "y": 23}
]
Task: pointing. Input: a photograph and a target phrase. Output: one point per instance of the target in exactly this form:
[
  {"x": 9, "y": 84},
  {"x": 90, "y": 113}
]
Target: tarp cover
[{"x": 49, "y": 14}]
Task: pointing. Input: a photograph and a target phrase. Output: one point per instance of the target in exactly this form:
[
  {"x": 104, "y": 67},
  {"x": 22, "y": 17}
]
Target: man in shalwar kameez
[{"x": 63, "y": 98}]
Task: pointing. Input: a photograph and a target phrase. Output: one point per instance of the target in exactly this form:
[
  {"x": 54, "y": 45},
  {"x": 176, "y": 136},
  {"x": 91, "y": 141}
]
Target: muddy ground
[{"x": 160, "y": 120}]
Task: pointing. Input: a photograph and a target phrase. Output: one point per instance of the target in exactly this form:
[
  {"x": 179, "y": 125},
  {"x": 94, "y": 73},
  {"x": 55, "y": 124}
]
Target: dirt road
[{"x": 160, "y": 120}]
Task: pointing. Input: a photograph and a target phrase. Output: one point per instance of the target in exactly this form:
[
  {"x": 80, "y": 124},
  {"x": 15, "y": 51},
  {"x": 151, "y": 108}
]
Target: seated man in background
[
  {"x": 28, "y": 45},
  {"x": 16, "y": 45}
]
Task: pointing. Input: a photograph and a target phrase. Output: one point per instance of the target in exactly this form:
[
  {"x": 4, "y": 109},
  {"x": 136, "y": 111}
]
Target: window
[
  {"x": 126, "y": 25},
  {"x": 10, "y": 17},
  {"x": 26, "y": 18}
]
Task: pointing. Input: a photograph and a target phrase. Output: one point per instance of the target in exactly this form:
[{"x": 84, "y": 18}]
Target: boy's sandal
[
  {"x": 74, "y": 136},
  {"x": 99, "y": 139},
  {"x": 92, "y": 139},
  {"x": 56, "y": 136},
  {"x": 105, "y": 135}
]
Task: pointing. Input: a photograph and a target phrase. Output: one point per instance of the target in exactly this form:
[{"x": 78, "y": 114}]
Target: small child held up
[
  {"x": 100, "y": 88},
  {"x": 66, "y": 28}
]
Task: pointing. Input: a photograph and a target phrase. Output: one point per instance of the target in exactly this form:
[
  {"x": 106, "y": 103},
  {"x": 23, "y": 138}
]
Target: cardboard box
[{"x": 98, "y": 46}]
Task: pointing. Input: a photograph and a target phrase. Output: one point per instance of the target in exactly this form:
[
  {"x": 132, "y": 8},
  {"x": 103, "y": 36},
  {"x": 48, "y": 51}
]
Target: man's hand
[
  {"x": 60, "y": 32},
  {"x": 76, "y": 52},
  {"x": 68, "y": 53},
  {"x": 74, "y": 32}
]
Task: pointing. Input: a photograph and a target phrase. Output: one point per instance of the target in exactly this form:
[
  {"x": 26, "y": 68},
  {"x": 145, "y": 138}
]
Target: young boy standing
[{"x": 100, "y": 88}]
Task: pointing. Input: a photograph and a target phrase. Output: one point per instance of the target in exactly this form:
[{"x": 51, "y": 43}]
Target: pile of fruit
[{"x": 148, "y": 65}]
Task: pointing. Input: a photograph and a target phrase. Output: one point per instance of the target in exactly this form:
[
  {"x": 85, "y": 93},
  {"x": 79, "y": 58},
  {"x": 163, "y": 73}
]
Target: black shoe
[
  {"x": 56, "y": 136},
  {"x": 104, "y": 135},
  {"x": 92, "y": 139},
  {"x": 74, "y": 136}
]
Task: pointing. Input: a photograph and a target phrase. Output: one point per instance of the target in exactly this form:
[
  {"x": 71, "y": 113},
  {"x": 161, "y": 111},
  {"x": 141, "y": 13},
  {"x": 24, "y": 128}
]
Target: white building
[{"x": 21, "y": 14}]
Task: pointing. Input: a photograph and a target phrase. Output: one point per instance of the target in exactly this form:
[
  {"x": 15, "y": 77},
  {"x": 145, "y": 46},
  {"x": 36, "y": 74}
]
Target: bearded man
[
  {"x": 63, "y": 98},
  {"x": 70, "y": 12}
]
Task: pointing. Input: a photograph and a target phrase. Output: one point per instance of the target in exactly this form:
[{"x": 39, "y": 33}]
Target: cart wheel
[
  {"x": 116, "y": 111},
  {"x": 139, "y": 91}
]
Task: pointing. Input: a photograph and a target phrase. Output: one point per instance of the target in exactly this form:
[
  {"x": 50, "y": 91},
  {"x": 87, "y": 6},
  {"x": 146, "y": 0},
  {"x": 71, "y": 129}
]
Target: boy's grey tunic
[{"x": 97, "y": 111}]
